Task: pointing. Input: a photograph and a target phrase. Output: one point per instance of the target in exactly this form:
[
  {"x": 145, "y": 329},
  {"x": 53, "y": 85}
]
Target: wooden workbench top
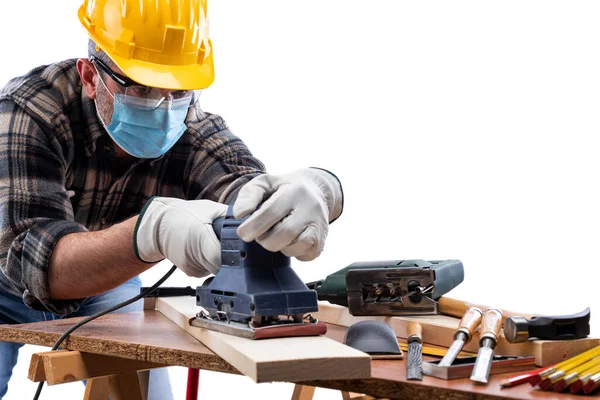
[
  {"x": 145, "y": 336},
  {"x": 149, "y": 336}
]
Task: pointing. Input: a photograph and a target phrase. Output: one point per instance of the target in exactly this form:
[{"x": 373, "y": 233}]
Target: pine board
[{"x": 267, "y": 360}]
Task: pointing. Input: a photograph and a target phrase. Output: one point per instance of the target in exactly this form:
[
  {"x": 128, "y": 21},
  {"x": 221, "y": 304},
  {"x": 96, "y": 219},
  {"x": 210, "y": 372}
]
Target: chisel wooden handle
[
  {"x": 491, "y": 325},
  {"x": 414, "y": 332},
  {"x": 470, "y": 322}
]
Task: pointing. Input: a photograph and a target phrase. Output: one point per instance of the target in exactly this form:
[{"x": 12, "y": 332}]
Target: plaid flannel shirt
[{"x": 57, "y": 174}]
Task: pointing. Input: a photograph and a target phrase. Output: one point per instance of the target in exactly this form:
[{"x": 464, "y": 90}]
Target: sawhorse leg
[
  {"x": 105, "y": 375},
  {"x": 302, "y": 392}
]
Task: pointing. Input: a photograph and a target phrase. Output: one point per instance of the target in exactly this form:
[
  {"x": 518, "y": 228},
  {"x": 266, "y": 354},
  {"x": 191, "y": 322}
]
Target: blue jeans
[{"x": 14, "y": 311}]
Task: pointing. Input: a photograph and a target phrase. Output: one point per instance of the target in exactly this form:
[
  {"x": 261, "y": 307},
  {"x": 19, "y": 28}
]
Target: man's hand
[
  {"x": 182, "y": 232},
  {"x": 296, "y": 212}
]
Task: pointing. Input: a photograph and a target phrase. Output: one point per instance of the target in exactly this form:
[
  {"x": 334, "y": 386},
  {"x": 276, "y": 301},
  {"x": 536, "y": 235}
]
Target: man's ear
[{"x": 87, "y": 72}]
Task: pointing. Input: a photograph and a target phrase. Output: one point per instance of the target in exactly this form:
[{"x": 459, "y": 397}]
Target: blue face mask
[{"x": 146, "y": 131}]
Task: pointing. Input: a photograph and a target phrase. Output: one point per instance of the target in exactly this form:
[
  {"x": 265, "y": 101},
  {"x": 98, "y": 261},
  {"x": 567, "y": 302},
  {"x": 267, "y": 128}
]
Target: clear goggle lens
[{"x": 154, "y": 97}]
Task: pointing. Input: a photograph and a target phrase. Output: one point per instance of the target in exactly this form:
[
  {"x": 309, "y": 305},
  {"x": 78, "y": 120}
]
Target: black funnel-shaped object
[{"x": 373, "y": 337}]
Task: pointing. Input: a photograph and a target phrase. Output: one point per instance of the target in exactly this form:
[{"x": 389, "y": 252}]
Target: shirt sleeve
[
  {"x": 221, "y": 165},
  {"x": 35, "y": 209}
]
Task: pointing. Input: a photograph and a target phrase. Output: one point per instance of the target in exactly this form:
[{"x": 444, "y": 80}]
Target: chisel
[
  {"x": 467, "y": 326},
  {"x": 414, "y": 370},
  {"x": 490, "y": 329}
]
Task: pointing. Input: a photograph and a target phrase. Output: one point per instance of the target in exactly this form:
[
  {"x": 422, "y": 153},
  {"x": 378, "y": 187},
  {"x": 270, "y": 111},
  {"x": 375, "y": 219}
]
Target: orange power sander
[{"x": 256, "y": 294}]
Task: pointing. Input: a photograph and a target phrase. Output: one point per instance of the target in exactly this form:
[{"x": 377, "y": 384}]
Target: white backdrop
[{"x": 461, "y": 129}]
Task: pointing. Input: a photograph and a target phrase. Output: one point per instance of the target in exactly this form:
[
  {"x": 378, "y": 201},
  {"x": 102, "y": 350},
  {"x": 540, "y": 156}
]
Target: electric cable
[{"x": 101, "y": 313}]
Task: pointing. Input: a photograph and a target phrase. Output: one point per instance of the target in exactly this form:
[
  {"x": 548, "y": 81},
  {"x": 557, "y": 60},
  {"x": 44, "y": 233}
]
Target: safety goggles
[{"x": 133, "y": 92}]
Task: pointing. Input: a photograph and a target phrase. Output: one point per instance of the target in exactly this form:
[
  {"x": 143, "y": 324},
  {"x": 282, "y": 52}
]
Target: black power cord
[{"x": 101, "y": 313}]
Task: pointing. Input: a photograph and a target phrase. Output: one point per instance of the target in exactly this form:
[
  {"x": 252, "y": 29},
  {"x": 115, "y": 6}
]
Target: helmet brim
[{"x": 175, "y": 77}]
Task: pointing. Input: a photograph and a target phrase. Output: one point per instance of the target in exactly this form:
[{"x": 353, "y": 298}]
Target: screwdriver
[
  {"x": 490, "y": 329},
  {"x": 467, "y": 326}
]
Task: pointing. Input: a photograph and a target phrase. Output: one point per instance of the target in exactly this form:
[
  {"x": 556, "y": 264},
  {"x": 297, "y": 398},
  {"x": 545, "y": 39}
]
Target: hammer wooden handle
[
  {"x": 492, "y": 323},
  {"x": 458, "y": 308},
  {"x": 470, "y": 321},
  {"x": 414, "y": 331}
]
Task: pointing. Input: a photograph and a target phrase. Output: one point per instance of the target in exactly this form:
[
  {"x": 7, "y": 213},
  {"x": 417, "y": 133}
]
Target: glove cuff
[
  {"x": 332, "y": 190},
  {"x": 145, "y": 241}
]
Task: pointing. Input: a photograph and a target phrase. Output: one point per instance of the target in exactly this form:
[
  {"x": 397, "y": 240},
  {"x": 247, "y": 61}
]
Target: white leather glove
[
  {"x": 180, "y": 231},
  {"x": 296, "y": 212}
]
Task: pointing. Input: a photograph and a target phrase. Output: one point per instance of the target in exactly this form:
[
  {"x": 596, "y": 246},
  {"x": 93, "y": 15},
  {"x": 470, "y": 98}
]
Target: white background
[{"x": 462, "y": 129}]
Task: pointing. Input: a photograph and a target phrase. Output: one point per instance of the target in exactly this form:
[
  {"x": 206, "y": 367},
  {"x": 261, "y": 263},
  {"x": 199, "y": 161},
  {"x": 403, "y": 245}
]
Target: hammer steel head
[{"x": 516, "y": 329}]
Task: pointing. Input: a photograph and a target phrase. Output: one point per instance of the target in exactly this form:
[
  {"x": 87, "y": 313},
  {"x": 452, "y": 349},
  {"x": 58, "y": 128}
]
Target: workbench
[{"x": 148, "y": 339}]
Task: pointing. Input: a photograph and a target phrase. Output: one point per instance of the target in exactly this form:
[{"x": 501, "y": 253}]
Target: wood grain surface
[
  {"x": 152, "y": 337},
  {"x": 389, "y": 381},
  {"x": 439, "y": 330},
  {"x": 145, "y": 336},
  {"x": 267, "y": 360}
]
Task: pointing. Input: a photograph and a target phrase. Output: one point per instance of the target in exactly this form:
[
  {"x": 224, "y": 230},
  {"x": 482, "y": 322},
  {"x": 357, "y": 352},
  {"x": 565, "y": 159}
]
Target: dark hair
[{"x": 99, "y": 54}]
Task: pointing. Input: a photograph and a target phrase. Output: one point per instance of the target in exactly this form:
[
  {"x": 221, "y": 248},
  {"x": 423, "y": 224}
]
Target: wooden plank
[
  {"x": 97, "y": 389},
  {"x": 282, "y": 359},
  {"x": 125, "y": 387},
  {"x": 439, "y": 330},
  {"x": 302, "y": 392},
  {"x": 68, "y": 366},
  {"x": 389, "y": 381}
]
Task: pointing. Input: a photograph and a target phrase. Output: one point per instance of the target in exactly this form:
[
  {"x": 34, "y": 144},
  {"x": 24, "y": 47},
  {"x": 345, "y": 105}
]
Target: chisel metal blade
[
  {"x": 452, "y": 353},
  {"x": 468, "y": 324},
  {"x": 414, "y": 369},
  {"x": 483, "y": 364}
]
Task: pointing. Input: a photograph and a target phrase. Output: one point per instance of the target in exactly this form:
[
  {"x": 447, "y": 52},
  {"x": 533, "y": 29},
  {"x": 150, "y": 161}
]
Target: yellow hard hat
[{"x": 157, "y": 43}]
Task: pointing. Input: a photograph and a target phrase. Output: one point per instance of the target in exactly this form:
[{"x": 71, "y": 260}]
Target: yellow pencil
[
  {"x": 556, "y": 372},
  {"x": 583, "y": 378},
  {"x": 586, "y": 355},
  {"x": 592, "y": 384},
  {"x": 560, "y": 374},
  {"x": 573, "y": 375}
]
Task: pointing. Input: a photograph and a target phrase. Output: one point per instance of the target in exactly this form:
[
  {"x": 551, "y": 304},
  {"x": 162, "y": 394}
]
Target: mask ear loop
[{"x": 96, "y": 103}]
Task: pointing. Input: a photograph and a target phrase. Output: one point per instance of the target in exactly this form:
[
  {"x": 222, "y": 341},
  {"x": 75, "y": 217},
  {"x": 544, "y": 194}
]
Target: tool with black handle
[
  {"x": 565, "y": 327},
  {"x": 414, "y": 365},
  {"x": 466, "y": 328},
  {"x": 490, "y": 331}
]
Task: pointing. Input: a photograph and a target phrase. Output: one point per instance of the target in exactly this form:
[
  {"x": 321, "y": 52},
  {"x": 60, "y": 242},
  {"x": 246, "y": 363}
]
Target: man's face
[{"x": 112, "y": 81}]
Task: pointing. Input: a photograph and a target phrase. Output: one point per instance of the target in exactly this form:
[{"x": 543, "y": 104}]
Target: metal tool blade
[
  {"x": 452, "y": 353},
  {"x": 481, "y": 370},
  {"x": 414, "y": 369}
]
